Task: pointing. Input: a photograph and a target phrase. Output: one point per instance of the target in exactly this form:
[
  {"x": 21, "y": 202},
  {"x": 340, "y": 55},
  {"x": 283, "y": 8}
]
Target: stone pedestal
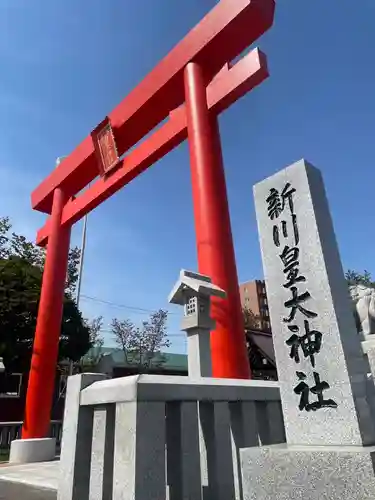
[
  {"x": 199, "y": 353},
  {"x": 24, "y": 451},
  {"x": 368, "y": 348},
  {"x": 282, "y": 472}
]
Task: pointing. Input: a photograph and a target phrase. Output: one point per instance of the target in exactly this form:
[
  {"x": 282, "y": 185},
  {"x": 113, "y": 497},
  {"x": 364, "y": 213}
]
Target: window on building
[
  {"x": 10, "y": 385},
  {"x": 245, "y": 290},
  {"x": 265, "y": 301}
]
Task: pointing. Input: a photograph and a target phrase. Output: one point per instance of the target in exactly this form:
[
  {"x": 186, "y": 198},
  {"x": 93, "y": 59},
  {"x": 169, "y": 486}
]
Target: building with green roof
[{"x": 112, "y": 360}]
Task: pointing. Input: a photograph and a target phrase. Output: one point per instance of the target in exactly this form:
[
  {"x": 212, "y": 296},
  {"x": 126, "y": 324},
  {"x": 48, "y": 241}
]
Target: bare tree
[
  {"x": 96, "y": 340},
  {"x": 94, "y": 354},
  {"x": 251, "y": 320},
  {"x": 126, "y": 336},
  {"x": 142, "y": 346}
]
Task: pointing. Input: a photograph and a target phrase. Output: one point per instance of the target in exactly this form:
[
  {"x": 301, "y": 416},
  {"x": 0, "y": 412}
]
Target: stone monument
[{"x": 326, "y": 397}]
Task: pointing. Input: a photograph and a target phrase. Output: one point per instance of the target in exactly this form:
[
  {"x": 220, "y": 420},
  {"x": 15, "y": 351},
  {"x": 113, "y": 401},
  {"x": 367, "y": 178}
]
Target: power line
[
  {"x": 139, "y": 310},
  {"x": 104, "y": 330}
]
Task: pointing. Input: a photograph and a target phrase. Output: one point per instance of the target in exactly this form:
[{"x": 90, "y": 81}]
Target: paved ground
[
  {"x": 29, "y": 481},
  {"x": 16, "y": 491}
]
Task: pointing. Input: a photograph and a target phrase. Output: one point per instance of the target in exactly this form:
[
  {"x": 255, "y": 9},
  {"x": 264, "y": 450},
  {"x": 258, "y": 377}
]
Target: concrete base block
[
  {"x": 282, "y": 472},
  {"x": 24, "y": 451}
]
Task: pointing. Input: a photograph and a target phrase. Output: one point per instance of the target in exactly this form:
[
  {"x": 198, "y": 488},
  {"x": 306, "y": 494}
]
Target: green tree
[
  {"x": 15, "y": 245},
  {"x": 5, "y": 226},
  {"x": 142, "y": 346},
  {"x": 19, "y": 297},
  {"x": 21, "y": 268},
  {"x": 355, "y": 278}
]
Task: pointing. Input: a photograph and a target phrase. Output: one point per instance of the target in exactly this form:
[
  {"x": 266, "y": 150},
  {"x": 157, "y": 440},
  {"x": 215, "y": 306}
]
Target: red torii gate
[{"x": 190, "y": 86}]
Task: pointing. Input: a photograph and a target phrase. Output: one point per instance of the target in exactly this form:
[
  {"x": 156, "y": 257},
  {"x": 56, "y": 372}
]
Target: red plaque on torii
[{"x": 105, "y": 147}]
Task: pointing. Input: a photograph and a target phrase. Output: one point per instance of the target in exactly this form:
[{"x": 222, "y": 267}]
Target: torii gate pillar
[
  {"x": 216, "y": 256},
  {"x": 42, "y": 374}
]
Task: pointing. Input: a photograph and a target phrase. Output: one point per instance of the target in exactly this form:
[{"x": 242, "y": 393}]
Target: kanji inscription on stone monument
[
  {"x": 307, "y": 341},
  {"x": 318, "y": 354}
]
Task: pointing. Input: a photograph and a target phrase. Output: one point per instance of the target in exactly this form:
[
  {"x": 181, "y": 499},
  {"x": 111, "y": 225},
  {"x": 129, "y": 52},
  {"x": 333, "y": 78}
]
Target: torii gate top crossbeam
[
  {"x": 222, "y": 35},
  {"x": 228, "y": 86}
]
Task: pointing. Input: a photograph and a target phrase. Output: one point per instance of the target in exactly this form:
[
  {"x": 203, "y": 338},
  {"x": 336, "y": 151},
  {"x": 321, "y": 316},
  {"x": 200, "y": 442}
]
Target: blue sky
[{"x": 66, "y": 64}]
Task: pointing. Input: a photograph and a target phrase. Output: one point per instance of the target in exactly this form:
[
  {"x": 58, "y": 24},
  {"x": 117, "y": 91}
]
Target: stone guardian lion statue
[{"x": 363, "y": 298}]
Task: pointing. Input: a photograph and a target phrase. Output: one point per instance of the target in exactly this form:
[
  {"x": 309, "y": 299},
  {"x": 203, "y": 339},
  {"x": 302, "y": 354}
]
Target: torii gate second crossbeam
[{"x": 190, "y": 87}]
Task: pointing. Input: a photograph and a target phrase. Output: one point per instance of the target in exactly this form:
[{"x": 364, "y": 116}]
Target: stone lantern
[{"x": 193, "y": 291}]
